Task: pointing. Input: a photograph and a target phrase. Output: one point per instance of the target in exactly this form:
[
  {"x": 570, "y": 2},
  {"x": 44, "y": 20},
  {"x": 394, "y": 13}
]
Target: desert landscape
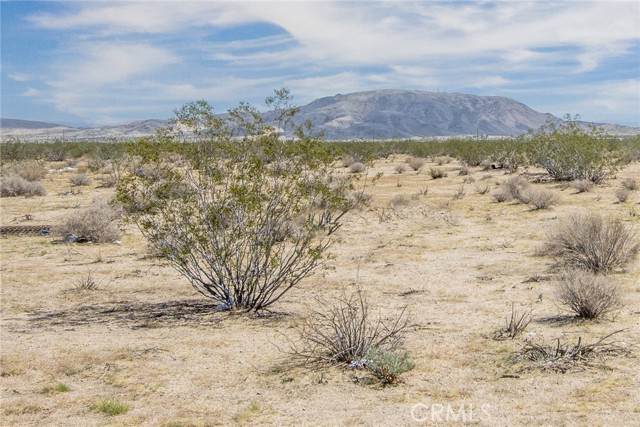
[{"x": 109, "y": 334}]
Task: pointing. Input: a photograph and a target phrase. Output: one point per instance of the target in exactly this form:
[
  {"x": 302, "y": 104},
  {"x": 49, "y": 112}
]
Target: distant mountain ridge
[{"x": 379, "y": 114}]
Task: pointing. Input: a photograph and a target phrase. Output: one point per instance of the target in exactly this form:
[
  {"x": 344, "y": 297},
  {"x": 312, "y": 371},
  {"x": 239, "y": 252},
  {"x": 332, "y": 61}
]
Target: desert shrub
[
  {"x": 622, "y": 194},
  {"x": 97, "y": 223},
  {"x": 400, "y": 168},
  {"x": 252, "y": 214},
  {"x": 345, "y": 331},
  {"x": 437, "y": 173},
  {"x": 588, "y": 295},
  {"x": 80, "y": 179},
  {"x": 357, "y": 167},
  {"x": 464, "y": 170},
  {"x": 13, "y": 186},
  {"x": 416, "y": 163},
  {"x": 108, "y": 181},
  {"x": 442, "y": 160},
  {"x": 538, "y": 198},
  {"x": 502, "y": 195},
  {"x": 569, "y": 152},
  {"x": 31, "y": 170},
  {"x": 630, "y": 184},
  {"x": 347, "y": 160},
  {"x": 482, "y": 188},
  {"x": 515, "y": 186},
  {"x": 593, "y": 243},
  {"x": 388, "y": 365},
  {"x": 582, "y": 185},
  {"x": 399, "y": 200}
]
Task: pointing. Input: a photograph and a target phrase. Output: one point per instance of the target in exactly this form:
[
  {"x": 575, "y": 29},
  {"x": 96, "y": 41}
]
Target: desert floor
[{"x": 146, "y": 339}]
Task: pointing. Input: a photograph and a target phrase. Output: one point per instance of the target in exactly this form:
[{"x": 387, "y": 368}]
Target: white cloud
[
  {"x": 31, "y": 92},
  {"x": 20, "y": 77},
  {"x": 329, "y": 47}
]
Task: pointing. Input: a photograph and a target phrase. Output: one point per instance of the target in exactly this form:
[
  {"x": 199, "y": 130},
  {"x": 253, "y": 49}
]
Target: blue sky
[{"x": 100, "y": 63}]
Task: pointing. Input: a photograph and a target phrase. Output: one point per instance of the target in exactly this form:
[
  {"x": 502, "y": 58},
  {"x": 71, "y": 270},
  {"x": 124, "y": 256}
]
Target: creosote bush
[
  {"x": 590, "y": 242},
  {"x": 97, "y": 223},
  {"x": 588, "y": 295},
  {"x": 13, "y": 186},
  {"x": 569, "y": 152},
  {"x": 252, "y": 213}
]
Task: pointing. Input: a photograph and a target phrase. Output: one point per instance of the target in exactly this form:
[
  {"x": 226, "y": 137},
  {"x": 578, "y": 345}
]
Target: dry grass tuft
[{"x": 514, "y": 325}]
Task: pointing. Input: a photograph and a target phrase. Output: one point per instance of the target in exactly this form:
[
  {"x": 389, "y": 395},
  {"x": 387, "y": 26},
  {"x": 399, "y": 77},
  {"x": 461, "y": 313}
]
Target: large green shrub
[
  {"x": 570, "y": 152},
  {"x": 251, "y": 213}
]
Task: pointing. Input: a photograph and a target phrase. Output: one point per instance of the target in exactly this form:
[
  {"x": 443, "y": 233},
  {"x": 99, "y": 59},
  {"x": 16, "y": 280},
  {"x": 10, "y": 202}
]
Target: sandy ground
[{"x": 146, "y": 339}]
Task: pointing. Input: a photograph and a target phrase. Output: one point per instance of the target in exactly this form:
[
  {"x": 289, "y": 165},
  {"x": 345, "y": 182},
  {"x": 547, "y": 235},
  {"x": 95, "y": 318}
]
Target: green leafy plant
[
  {"x": 570, "y": 152},
  {"x": 388, "y": 365},
  {"x": 111, "y": 407},
  {"x": 253, "y": 211}
]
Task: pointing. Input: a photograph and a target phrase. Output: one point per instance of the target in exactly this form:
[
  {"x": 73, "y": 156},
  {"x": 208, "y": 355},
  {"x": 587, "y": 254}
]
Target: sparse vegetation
[
  {"x": 111, "y": 407},
  {"x": 56, "y": 388},
  {"x": 345, "y": 331},
  {"x": 562, "y": 357},
  {"x": 622, "y": 194},
  {"x": 436, "y": 173},
  {"x": 593, "y": 243},
  {"x": 514, "y": 324},
  {"x": 416, "y": 163},
  {"x": 630, "y": 184},
  {"x": 588, "y": 295},
  {"x": 400, "y": 168},
  {"x": 80, "y": 179},
  {"x": 388, "y": 365},
  {"x": 357, "y": 167},
  {"x": 582, "y": 185},
  {"x": 97, "y": 223},
  {"x": 538, "y": 198},
  {"x": 14, "y": 186}
]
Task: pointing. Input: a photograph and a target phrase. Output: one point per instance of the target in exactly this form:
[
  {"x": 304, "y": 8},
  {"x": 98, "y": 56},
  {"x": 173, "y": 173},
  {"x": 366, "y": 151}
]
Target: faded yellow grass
[{"x": 456, "y": 264}]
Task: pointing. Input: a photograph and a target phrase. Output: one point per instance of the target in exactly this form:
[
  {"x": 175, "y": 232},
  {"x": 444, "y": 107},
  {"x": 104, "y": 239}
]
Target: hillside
[{"x": 380, "y": 114}]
